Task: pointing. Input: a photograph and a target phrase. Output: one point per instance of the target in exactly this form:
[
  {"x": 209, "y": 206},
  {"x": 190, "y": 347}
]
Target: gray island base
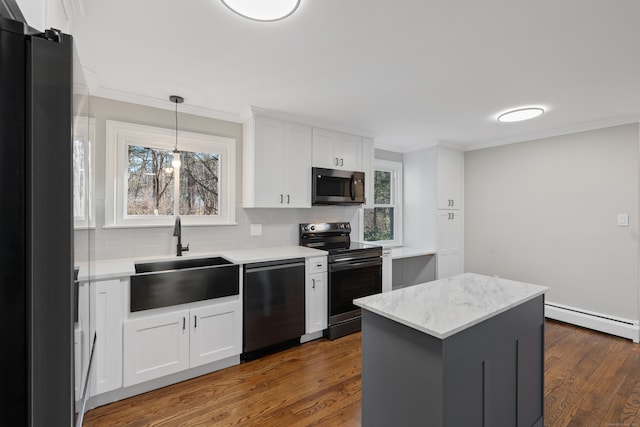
[{"x": 483, "y": 367}]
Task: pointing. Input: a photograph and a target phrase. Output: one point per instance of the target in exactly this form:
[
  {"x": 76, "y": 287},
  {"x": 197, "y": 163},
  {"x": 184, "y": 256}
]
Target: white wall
[
  {"x": 545, "y": 212},
  {"x": 279, "y": 226}
]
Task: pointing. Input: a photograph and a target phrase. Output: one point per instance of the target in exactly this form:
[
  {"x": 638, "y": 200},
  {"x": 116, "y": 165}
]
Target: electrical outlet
[{"x": 623, "y": 220}]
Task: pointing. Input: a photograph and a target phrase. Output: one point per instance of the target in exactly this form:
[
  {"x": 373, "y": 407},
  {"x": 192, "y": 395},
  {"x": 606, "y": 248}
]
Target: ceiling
[{"x": 409, "y": 73}]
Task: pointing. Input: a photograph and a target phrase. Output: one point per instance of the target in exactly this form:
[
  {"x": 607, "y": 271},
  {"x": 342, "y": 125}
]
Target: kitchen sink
[
  {"x": 179, "y": 264},
  {"x": 180, "y": 281}
]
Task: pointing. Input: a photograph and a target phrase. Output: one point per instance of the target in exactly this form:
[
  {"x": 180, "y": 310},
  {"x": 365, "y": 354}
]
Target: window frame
[
  {"x": 84, "y": 129},
  {"x": 395, "y": 168},
  {"x": 119, "y": 135}
]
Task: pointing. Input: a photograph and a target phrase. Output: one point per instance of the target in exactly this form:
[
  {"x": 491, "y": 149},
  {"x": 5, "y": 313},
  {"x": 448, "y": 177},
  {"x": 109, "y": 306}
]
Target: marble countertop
[
  {"x": 447, "y": 306},
  {"x": 109, "y": 269}
]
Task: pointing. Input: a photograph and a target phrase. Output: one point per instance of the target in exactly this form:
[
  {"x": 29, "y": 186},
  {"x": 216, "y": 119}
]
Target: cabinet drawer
[{"x": 317, "y": 265}]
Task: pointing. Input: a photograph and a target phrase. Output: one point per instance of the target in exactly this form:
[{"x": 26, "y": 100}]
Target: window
[
  {"x": 83, "y": 132},
  {"x": 383, "y": 222},
  {"x": 147, "y": 190}
]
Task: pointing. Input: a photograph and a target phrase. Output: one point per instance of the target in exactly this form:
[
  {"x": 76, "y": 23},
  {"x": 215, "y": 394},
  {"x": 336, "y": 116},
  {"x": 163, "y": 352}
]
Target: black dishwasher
[{"x": 273, "y": 306}]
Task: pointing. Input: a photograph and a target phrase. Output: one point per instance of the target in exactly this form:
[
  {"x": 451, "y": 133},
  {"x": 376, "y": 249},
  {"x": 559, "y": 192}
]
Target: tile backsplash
[{"x": 279, "y": 228}]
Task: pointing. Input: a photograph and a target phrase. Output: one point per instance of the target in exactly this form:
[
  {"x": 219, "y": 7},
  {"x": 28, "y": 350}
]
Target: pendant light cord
[{"x": 176, "y": 147}]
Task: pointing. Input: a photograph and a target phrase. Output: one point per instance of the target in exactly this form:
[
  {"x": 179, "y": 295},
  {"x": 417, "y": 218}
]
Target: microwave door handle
[{"x": 352, "y": 190}]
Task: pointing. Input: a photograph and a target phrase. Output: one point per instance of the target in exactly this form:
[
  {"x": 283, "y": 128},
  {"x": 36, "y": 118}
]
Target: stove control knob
[
  {"x": 313, "y": 227},
  {"x": 347, "y": 226},
  {"x": 305, "y": 228}
]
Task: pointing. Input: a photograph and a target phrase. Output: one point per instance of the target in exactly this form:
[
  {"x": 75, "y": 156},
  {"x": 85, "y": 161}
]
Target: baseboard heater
[{"x": 599, "y": 322}]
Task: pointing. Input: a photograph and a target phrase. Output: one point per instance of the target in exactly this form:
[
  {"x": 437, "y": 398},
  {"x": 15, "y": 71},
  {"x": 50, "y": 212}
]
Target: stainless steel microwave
[{"x": 336, "y": 187}]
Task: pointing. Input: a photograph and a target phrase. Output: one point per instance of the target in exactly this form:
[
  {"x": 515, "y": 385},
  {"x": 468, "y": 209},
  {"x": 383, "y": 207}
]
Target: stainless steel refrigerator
[{"x": 36, "y": 225}]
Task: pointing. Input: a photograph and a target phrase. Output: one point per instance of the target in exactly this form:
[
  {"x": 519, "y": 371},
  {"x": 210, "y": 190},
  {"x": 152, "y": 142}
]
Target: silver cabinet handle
[
  {"x": 288, "y": 198},
  {"x": 341, "y": 162},
  {"x": 195, "y": 322},
  {"x": 281, "y": 198},
  {"x": 313, "y": 285},
  {"x": 184, "y": 323},
  {"x": 336, "y": 161}
]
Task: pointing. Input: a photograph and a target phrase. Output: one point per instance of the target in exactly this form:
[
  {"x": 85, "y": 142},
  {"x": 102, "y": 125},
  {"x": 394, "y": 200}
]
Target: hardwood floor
[{"x": 591, "y": 379}]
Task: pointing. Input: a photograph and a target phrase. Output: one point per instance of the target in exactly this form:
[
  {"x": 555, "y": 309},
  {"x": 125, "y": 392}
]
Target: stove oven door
[{"x": 349, "y": 280}]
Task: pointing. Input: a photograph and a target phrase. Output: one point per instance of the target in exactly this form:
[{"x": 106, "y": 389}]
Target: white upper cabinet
[
  {"x": 276, "y": 164},
  {"x": 450, "y": 178},
  {"x": 336, "y": 150}
]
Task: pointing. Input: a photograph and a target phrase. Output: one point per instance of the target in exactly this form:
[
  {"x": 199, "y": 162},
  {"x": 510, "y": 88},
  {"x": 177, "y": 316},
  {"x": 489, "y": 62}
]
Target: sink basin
[
  {"x": 181, "y": 281},
  {"x": 179, "y": 264}
]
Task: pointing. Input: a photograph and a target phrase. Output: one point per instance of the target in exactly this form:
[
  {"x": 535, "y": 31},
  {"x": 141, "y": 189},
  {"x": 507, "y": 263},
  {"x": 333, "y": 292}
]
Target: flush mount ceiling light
[
  {"x": 176, "y": 162},
  {"x": 263, "y": 10},
  {"x": 520, "y": 114}
]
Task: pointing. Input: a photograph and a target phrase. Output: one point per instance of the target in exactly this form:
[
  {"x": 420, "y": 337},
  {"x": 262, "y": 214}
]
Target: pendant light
[
  {"x": 176, "y": 162},
  {"x": 263, "y": 10}
]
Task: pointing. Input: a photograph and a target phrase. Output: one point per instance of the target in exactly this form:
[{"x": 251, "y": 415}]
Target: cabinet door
[
  {"x": 316, "y": 302},
  {"x": 83, "y": 337},
  {"x": 155, "y": 346},
  {"x": 269, "y": 162},
  {"x": 216, "y": 333},
  {"x": 387, "y": 272},
  {"x": 449, "y": 243},
  {"x": 450, "y": 178},
  {"x": 297, "y": 166},
  {"x": 107, "y": 312},
  {"x": 348, "y": 149},
  {"x": 323, "y": 155},
  {"x": 336, "y": 150}
]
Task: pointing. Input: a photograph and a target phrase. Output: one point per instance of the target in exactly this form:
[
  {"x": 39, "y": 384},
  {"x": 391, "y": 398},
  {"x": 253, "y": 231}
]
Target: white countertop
[
  {"x": 109, "y": 269},
  {"x": 447, "y": 306},
  {"x": 409, "y": 252},
  {"x": 245, "y": 256}
]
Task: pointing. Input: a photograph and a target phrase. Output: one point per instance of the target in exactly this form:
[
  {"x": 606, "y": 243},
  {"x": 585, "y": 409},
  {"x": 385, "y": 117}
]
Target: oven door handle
[{"x": 352, "y": 265}]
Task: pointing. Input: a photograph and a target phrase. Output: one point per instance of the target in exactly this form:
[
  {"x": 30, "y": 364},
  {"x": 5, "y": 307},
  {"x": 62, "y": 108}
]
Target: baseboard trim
[{"x": 599, "y": 322}]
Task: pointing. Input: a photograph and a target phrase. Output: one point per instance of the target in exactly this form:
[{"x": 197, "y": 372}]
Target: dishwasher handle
[{"x": 272, "y": 267}]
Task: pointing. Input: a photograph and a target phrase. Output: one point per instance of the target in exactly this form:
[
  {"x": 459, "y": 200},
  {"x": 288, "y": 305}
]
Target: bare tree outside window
[
  {"x": 150, "y": 182},
  {"x": 199, "y": 184}
]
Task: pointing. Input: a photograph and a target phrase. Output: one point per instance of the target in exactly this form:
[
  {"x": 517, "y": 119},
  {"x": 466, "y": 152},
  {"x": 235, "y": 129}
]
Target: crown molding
[
  {"x": 164, "y": 104},
  {"x": 566, "y": 130},
  {"x": 303, "y": 120},
  {"x": 421, "y": 146}
]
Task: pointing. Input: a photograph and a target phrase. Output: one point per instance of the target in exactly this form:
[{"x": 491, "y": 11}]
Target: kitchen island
[{"x": 462, "y": 351}]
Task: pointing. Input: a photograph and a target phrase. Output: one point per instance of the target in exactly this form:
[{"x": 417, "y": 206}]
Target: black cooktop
[{"x": 334, "y": 237}]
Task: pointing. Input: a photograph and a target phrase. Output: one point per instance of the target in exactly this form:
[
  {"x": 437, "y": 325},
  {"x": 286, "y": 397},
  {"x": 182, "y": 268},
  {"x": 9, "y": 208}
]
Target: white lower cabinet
[
  {"x": 316, "y": 304},
  {"x": 155, "y": 346},
  {"x": 160, "y": 345},
  {"x": 106, "y": 315},
  {"x": 449, "y": 243},
  {"x": 216, "y": 333}
]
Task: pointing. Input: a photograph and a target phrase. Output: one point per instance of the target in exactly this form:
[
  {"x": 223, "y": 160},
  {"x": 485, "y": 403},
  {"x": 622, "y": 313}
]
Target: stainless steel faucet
[{"x": 177, "y": 231}]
